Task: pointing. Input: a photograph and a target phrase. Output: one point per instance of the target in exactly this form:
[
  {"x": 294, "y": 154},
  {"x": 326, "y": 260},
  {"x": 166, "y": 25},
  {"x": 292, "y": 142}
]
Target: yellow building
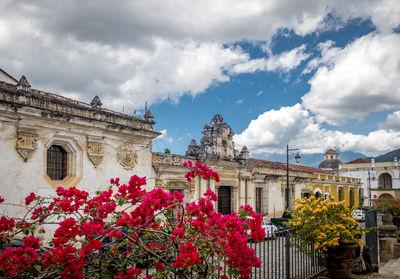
[{"x": 338, "y": 187}]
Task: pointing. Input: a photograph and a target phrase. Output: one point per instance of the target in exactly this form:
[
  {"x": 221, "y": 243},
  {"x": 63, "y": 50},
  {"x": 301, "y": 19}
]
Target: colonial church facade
[
  {"x": 245, "y": 180},
  {"x": 47, "y": 141}
]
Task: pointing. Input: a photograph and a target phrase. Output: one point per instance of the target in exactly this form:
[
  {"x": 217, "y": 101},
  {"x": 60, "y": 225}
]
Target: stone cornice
[{"x": 54, "y": 106}]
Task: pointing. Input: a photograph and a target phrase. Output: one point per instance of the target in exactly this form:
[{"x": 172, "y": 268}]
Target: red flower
[
  {"x": 6, "y": 224},
  {"x": 30, "y": 198},
  {"x": 188, "y": 256},
  {"x": 159, "y": 266},
  {"x": 31, "y": 241},
  {"x": 210, "y": 194},
  {"x": 96, "y": 244}
]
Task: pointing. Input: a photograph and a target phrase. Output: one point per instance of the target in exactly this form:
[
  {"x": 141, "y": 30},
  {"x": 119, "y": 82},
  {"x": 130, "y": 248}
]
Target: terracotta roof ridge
[
  {"x": 293, "y": 167},
  {"x": 359, "y": 161}
]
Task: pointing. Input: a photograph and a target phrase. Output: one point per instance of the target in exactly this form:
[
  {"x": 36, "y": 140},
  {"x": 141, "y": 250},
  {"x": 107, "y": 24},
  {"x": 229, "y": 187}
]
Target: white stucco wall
[{"x": 18, "y": 177}]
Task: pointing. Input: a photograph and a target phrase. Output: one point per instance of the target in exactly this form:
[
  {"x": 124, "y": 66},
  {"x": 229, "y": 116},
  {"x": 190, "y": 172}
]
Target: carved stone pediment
[
  {"x": 95, "y": 150},
  {"x": 217, "y": 143},
  {"x": 127, "y": 157},
  {"x": 26, "y": 142},
  {"x": 171, "y": 160}
]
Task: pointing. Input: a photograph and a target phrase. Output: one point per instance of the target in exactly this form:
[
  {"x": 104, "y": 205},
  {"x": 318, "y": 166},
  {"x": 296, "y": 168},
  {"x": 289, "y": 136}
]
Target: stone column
[
  {"x": 197, "y": 189},
  {"x": 250, "y": 192},
  {"x": 387, "y": 234},
  {"x": 212, "y": 187}
]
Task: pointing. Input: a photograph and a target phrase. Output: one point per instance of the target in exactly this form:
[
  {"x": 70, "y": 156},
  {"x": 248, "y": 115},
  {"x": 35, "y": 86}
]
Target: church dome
[
  {"x": 331, "y": 161},
  {"x": 330, "y": 164}
]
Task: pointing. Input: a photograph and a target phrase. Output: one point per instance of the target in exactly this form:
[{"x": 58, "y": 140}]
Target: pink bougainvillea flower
[{"x": 30, "y": 198}]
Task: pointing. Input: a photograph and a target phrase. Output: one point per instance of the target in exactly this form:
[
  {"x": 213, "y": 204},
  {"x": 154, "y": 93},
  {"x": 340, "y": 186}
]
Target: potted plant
[
  {"x": 396, "y": 212},
  {"x": 328, "y": 227},
  {"x": 385, "y": 205}
]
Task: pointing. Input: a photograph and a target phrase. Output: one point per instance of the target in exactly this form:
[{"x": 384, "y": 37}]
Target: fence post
[
  {"x": 287, "y": 253},
  {"x": 372, "y": 236}
]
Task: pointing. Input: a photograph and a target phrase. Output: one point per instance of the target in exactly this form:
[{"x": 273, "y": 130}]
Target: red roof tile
[
  {"x": 279, "y": 165},
  {"x": 359, "y": 161}
]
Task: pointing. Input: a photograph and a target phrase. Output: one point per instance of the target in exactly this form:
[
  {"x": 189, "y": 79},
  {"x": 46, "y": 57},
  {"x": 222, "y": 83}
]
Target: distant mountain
[
  {"x": 348, "y": 156},
  {"x": 311, "y": 160},
  {"x": 388, "y": 157}
]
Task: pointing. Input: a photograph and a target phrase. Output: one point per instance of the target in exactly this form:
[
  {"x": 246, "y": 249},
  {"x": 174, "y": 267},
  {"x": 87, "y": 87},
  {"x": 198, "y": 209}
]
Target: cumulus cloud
[
  {"x": 164, "y": 137},
  {"x": 361, "y": 78},
  {"x": 392, "y": 121},
  {"x": 327, "y": 58},
  {"x": 130, "y": 49},
  {"x": 173, "y": 70},
  {"x": 296, "y": 126},
  {"x": 284, "y": 62}
]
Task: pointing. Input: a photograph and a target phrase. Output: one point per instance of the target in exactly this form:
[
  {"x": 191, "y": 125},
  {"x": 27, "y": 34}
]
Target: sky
[{"x": 311, "y": 74}]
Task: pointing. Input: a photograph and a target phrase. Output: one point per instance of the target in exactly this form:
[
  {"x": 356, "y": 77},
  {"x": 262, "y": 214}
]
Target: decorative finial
[
  {"x": 148, "y": 116},
  {"x": 23, "y": 84},
  {"x": 96, "y": 102}
]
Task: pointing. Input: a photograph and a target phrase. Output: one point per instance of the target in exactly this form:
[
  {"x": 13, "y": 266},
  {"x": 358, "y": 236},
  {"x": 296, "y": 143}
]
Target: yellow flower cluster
[{"x": 323, "y": 222}]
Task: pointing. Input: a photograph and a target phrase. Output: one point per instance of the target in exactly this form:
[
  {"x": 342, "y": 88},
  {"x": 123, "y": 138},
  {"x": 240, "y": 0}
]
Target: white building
[
  {"x": 47, "y": 141},
  {"x": 378, "y": 178}
]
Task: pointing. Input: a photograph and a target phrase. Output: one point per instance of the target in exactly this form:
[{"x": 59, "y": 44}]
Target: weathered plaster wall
[{"x": 97, "y": 149}]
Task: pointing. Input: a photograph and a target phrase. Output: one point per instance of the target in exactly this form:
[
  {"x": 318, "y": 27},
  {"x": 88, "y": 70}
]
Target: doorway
[{"x": 224, "y": 200}]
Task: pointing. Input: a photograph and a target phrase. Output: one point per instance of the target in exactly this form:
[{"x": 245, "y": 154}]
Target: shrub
[
  {"x": 125, "y": 229},
  {"x": 324, "y": 223},
  {"x": 388, "y": 205}
]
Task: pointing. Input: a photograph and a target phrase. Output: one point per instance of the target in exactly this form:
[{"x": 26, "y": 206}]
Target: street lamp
[
  {"x": 369, "y": 187},
  {"x": 297, "y": 157}
]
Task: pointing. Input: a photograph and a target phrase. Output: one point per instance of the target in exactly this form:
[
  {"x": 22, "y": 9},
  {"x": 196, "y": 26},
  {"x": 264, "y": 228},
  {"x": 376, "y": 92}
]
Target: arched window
[
  {"x": 386, "y": 196},
  {"x": 385, "y": 181},
  {"x": 56, "y": 162}
]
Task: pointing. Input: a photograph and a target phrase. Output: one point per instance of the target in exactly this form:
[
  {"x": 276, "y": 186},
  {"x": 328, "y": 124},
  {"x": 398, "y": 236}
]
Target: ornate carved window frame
[{"x": 74, "y": 161}]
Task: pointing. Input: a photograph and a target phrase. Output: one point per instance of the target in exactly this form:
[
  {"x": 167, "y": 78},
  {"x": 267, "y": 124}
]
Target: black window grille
[
  {"x": 385, "y": 181},
  {"x": 56, "y": 162},
  {"x": 258, "y": 199}
]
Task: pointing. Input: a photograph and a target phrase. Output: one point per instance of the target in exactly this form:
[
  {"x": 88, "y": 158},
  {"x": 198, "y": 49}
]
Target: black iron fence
[
  {"x": 283, "y": 258},
  {"x": 372, "y": 236}
]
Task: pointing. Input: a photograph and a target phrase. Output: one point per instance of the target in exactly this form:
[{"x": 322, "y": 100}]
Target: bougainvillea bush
[
  {"x": 388, "y": 205},
  {"x": 396, "y": 207},
  {"x": 323, "y": 223},
  {"x": 128, "y": 232}
]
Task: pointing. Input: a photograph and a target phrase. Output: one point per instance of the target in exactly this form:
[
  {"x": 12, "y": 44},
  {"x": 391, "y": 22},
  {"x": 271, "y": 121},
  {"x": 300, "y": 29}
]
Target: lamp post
[
  {"x": 297, "y": 157},
  {"x": 369, "y": 187}
]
